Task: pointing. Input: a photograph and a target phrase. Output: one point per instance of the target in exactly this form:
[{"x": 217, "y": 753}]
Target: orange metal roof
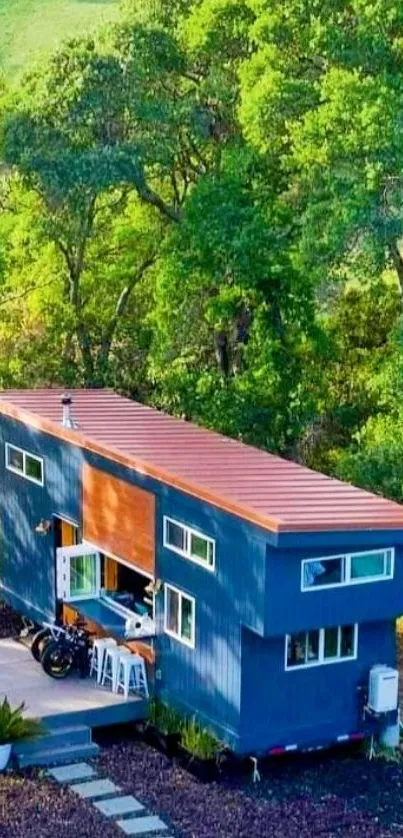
[{"x": 272, "y": 492}]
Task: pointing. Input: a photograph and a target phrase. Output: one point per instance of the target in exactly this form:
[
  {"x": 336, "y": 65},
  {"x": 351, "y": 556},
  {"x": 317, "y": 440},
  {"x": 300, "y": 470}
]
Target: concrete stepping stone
[
  {"x": 75, "y": 771},
  {"x": 142, "y": 826},
  {"x": 115, "y": 806},
  {"x": 95, "y": 788}
]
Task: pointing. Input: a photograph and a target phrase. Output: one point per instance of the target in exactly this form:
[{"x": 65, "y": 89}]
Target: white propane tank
[{"x": 383, "y": 688}]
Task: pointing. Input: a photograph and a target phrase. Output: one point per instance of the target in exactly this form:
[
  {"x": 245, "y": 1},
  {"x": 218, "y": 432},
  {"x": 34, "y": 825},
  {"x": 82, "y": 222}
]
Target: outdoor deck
[{"x": 71, "y": 701}]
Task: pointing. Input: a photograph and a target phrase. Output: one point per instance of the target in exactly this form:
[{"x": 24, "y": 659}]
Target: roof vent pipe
[{"x": 68, "y": 421}]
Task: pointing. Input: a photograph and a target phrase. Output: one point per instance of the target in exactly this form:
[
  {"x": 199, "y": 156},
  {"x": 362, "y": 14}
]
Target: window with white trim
[
  {"x": 25, "y": 464},
  {"x": 192, "y": 544},
  {"x": 179, "y": 616},
  {"x": 347, "y": 569},
  {"x": 321, "y": 646}
]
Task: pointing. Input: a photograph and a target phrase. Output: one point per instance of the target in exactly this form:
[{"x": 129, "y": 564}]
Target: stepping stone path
[{"x": 129, "y": 814}]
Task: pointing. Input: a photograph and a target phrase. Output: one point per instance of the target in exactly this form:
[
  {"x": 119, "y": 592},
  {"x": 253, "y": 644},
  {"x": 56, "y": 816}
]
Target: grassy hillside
[{"x": 29, "y": 28}]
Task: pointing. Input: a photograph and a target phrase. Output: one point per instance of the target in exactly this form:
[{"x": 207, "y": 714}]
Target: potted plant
[
  {"x": 14, "y": 727},
  {"x": 163, "y": 727},
  {"x": 199, "y": 751}
]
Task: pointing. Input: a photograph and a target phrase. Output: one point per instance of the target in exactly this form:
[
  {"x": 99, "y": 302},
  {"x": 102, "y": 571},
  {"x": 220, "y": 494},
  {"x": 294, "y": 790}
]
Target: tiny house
[{"x": 262, "y": 595}]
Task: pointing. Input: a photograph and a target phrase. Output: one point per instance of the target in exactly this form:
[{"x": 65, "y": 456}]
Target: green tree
[{"x": 324, "y": 83}]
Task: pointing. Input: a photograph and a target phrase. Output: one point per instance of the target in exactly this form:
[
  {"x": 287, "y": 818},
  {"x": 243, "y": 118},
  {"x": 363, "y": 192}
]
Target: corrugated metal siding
[{"x": 260, "y": 487}]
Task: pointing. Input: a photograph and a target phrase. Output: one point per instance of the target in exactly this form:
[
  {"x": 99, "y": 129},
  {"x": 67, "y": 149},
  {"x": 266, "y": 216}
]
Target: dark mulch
[
  {"x": 32, "y": 807},
  {"x": 309, "y": 798},
  {"x": 10, "y": 622}
]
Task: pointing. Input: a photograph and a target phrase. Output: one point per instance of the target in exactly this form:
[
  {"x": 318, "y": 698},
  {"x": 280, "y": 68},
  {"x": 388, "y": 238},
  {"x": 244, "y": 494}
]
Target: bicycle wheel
[
  {"x": 39, "y": 642},
  {"x": 57, "y": 661}
]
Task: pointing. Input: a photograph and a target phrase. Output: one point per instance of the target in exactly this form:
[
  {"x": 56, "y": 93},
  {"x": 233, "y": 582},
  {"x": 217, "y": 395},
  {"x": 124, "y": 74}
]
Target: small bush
[
  {"x": 14, "y": 727},
  {"x": 164, "y": 718},
  {"x": 200, "y": 742}
]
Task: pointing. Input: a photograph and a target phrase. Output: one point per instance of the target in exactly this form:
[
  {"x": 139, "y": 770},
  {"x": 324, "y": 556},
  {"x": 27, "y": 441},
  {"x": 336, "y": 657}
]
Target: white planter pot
[{"x": 5, "y": 753}]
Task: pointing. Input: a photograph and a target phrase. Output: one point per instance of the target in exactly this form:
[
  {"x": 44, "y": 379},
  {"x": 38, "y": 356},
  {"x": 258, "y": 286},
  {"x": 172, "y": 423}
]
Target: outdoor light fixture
[
  {"x": 153, "y": 587},
  {"x": 44, "y": 527}
]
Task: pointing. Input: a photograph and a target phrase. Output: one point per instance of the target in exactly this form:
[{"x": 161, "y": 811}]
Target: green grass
[{"x": 31, "y": 28}]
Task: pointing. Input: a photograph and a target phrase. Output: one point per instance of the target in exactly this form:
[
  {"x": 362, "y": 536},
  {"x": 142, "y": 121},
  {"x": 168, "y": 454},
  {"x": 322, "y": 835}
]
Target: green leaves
[{"x": 14, "y": 727}]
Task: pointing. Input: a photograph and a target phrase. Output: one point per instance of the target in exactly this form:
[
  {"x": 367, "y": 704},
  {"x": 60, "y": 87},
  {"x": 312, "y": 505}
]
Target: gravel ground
[
  {"x": 308, "y": 798},
  {"x": 32, "y": 807}
]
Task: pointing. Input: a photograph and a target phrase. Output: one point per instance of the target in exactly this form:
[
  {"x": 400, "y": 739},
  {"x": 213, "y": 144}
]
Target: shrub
[
  {"x": 14, "y": 727},
  {"x": 164, "y": 718},
  {"x": 200, "y": 742}
]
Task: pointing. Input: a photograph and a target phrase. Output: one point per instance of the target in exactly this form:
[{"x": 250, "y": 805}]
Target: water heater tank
[{"x": 383, "y": 688}]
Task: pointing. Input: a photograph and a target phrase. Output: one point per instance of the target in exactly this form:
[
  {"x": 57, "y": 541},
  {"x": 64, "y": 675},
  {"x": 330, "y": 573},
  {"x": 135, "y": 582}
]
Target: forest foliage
[{"x": 202, "y": 207}]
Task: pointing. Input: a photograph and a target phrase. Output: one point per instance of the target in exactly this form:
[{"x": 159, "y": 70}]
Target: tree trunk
[{"x": 397, "y": 262}]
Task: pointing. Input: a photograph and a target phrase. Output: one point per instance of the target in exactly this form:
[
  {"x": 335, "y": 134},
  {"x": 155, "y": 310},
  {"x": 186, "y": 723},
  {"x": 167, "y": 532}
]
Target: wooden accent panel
[
  {"x": 144, "y": 649},
  {"x": 68, "y": 534},
  {"x": 111, "y": 574},
  {"x": 119, "y": 518},
  {"x": 70, "y": 615}
]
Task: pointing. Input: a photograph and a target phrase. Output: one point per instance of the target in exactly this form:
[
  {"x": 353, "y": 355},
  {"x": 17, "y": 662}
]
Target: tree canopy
[{"x": 201, "y": 206}]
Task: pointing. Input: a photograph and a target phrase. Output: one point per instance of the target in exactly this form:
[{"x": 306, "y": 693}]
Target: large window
[
  {"x": 25, "y": 464},
  {"x": 347, "y": 569},
  {"x": 190, "y": 543},
  {"x": 321, "y": 646},
  {"x": 179, "y": 618}
]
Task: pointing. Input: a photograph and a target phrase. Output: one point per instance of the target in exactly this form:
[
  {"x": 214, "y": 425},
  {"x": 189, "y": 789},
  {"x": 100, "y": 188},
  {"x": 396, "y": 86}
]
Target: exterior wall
[
  {"x": 206, "y": 679},
  {"x": 234, "y": 678},
  {"x": 288, "y": 609},
  {"x": 309, "y": 706},
  {"x": 27, "y": 564}
]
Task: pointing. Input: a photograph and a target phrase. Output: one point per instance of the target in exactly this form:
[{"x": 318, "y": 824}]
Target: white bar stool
[
  {"x": 132, "y": 675},
  {"x": 99, "y": 647},
  {"x": 111, "y": 666}
]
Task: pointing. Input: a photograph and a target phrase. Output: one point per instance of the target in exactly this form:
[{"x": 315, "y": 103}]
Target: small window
[
  {"x": 23, "y": 463},
  {"x": 367, "y": 565},
  {"x": 351, "y": 569},
  {"x": 321, "y": 646},
  {"x": 190, "y": 543},
  {"x": 179, "y": 619},
  {"x": 319, "y": 573},
  {"x": 331, "y": 645},
  {"x": 83, "y": 575},
  {"x": 175, "y": 535}
]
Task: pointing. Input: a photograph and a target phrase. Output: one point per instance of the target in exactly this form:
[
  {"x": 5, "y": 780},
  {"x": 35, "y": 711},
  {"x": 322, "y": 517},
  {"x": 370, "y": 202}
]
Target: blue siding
[
  {"x": 234, "y": 679},
  {"x": 290, "y": 609},
  {"x": 306, "y": 706},
  {"x": 27, "y": 565},
  {"x": 204, "y": 680}
]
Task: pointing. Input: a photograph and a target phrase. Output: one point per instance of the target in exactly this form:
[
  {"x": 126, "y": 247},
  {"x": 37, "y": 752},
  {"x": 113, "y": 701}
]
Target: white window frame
[
  {"x": 188, "y": 532},
  {"x": 346, "y": 569},
  {"x": 182, "y": 595},
  {"x": 63, "y": 556},
  {"x": 322, "y": 661},
  {"x": 8, "y": 447}
]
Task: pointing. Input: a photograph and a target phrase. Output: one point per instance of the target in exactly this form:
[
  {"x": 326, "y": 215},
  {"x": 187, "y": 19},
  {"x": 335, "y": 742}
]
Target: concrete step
[
  {"x": 56, "y": 738},
  {"x": 58, "y": 755}
]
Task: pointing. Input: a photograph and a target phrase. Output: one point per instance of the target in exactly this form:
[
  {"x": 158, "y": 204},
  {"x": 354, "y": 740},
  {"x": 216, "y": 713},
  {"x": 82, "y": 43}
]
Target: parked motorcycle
[{"x": 68, "y": 652}]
